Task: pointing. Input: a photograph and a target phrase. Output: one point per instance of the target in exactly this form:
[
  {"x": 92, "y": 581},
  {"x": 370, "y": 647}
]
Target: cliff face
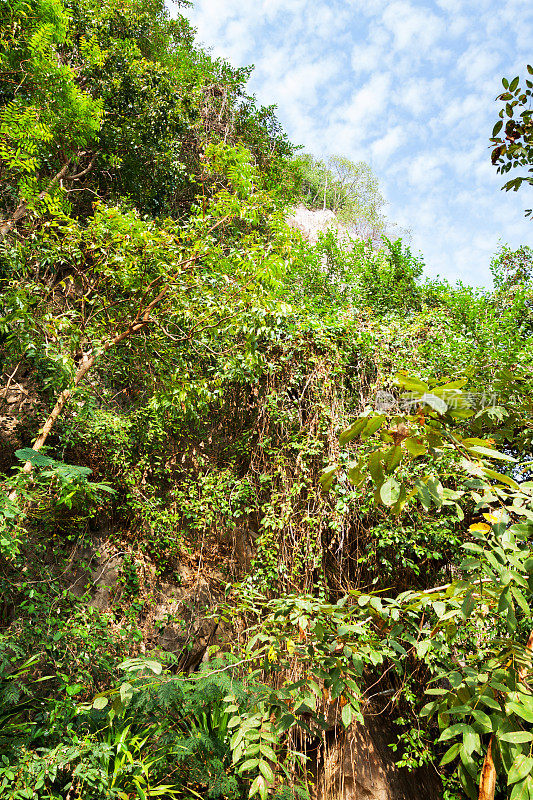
[{"x": 312, "y": 223}]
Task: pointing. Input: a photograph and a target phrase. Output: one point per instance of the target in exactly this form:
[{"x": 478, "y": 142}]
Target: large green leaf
[
  {"x": 34, "y": 457},
  {"x": 516, "y": 737},
  {"x": 390, "y": 491},
  {"x": 523, "y": 790},
  {"x": 490, "y": 453},
  {"x": 373, "y": 426},
  {"x": 328, "y": 476},
  {"x": 497, "y": 476},
  {"x": 353, "y": 431},
  {"x": 459, "y": 729},
  {"x": 522, "y": 766},
  {"x": 523, "y": 712},
  {"x": 414, "y": 447},
  {"x": 410, "y": 383}
]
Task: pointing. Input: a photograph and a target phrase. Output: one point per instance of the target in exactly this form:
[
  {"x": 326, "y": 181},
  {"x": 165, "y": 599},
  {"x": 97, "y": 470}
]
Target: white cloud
[
  {"x": 383, "y": 148},
  {"x": 412, "y": 27},
  {"x": 407, "y": 85},
  {"x": 479, "y": 63},
  {"x": 368, "y": 102}
]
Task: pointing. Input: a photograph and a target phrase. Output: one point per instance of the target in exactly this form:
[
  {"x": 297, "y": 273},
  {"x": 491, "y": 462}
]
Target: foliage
[
  {"x": 164, "y": 330},
  {"x": 516, "y": 122},
  {"x": 512, "y": 268},
  {"x": 40, "y": 131},
  {"x": 347, "y": 188},
  {"x": 490, "y": 686}
]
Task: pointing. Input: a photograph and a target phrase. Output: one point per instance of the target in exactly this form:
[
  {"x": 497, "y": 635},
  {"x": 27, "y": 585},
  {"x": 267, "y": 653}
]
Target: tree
[
  {"x": 47, "y": 122},
  {"x": 512, "y": 136},
  {"x": 109, "y": 100},
  {"x": 348, "y": 188},
  {"x": 512, "y": 267}
]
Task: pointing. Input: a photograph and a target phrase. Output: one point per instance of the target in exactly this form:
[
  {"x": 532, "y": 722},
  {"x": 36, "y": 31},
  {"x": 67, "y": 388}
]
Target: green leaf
[
  {"x": 522, "y": 766},
  {"x": 266, "y": 770},
  {"x": 483, "y": 720},
  {"x": 326, "y": 479},
  {"x": 523, "y": 712},
  {"x": 468, "y": 604},
  {"x": 390, "y": 491},
  {"x": 490, "y": 702},
  {"x": 459, "y": 729},
  {"x": 100, "y": 702},
  {"x": 346, "y": 715},
  {"x": 258, "y": 785},
  {"x": 375, "y": 468},
  {"x": 471, "y": 742},
  {"x": 355, "y": 473},
  {"x": 497, "y": 476},
  {"x": 414, "y": 447},
  {"x": 34, "y": 457},
  {"x": 267, "y": 752},
  {"x": 392, "y": 458},
  {"x": 425, "y": 497},
  {"x": 450, "y": 754},
  {"x": 523, "y": 790},
  {"x": 251, "y": 763},
  {"x": 490, "y": 453},
  {"x": 353, "y": 431},
  {"x": 126, "y": 692},
  {"x": 521, "y": 600},
  {"x": 410, "y": 383},
  {"x": 373, "y": 426},
  {"x": 516, "y": 737}
]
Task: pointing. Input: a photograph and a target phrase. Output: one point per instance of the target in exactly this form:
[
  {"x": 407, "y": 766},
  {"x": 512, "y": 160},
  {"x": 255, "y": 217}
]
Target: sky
[{"x": 409, "y": 87}]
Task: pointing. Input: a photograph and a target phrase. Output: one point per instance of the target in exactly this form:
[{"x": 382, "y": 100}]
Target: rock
[
  {"x": 359, "y": 765},
  {"x": 312, "y": 223},
  {"x": 105, "y": 579},
  {"x": 185, "y": 626}
]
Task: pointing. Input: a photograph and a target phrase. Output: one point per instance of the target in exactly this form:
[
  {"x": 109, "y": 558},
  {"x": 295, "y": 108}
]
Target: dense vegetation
[{"x": 252, "y": 490}]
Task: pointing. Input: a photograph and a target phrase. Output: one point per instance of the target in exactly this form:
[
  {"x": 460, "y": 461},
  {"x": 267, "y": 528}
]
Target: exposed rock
[
  {"x": 105, "y": 578},
  {"x": 312, "y": 223},
  {"x": 359, "y": 765},
  {"x": 183, "y": 619}
]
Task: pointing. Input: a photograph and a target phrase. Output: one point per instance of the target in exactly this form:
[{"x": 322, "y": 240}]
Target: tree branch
[{"x": 22, "y": 208}]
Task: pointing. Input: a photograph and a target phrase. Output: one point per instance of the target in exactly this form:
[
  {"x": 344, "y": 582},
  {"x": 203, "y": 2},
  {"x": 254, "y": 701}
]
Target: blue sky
[{"x": 407, "y": 86}]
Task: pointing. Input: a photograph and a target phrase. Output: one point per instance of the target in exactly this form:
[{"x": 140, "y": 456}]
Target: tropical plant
[{"x": 515, "y": 149}]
